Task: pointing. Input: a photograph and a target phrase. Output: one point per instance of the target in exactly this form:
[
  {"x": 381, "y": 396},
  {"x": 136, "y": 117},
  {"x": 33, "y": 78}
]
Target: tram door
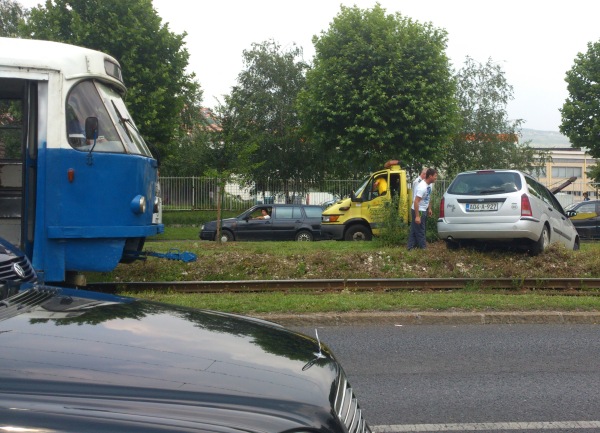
[{"x": 18, "y": 155}]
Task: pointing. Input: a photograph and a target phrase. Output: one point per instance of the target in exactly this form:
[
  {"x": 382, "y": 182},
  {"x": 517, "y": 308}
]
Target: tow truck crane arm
[{"x": 563, "y": 185}]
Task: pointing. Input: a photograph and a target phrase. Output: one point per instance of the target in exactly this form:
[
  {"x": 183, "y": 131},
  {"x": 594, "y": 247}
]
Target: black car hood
[
  {"x": 225, "y": 222},
  {"x": 80, "y": 361}
]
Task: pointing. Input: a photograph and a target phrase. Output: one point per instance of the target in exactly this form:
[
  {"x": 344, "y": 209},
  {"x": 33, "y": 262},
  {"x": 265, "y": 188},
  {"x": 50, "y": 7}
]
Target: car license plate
[{"x": 482, "y": 207}]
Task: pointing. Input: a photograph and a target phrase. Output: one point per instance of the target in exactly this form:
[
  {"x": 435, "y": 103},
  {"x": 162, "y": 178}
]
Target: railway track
[{"x": 572, "y": 285}]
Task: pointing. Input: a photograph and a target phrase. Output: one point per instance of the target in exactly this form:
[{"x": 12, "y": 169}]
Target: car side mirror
[
  {"x": 91, "y": 128},
  {"x": 353, "y": 198},
  {"x": 571, "y": 213}
]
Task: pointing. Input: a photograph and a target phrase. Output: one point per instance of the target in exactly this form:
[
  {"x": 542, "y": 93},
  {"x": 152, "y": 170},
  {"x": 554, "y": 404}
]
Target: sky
[{"x": 534, "y": 41}]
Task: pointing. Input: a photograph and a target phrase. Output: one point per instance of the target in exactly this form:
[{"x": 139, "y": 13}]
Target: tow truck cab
[{"x": 361, "y": 216}]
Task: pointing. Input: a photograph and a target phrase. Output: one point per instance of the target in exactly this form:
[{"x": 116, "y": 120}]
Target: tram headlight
[{"x": 138, "y": 204}]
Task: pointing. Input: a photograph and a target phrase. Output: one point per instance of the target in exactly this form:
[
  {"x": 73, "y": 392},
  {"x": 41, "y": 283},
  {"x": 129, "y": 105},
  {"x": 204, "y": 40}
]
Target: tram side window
[
  {"x": 11, "y": 129},
  {"x": 83, "y": 102}
]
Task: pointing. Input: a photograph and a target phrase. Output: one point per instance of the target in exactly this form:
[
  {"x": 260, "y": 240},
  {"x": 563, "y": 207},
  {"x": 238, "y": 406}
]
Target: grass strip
[{"x": 303, "y": 303}]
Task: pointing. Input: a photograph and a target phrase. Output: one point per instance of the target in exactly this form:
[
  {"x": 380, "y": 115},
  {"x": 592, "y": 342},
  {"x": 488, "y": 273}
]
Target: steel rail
[{"x": 351, "y": 284}]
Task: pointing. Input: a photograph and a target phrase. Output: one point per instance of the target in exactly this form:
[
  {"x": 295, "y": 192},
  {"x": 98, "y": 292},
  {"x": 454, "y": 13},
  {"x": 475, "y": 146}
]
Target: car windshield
[
  {"x": 583, "y": 207},
  {"x": 360, "y": 189},
  {"x": 485, "y": 183}
]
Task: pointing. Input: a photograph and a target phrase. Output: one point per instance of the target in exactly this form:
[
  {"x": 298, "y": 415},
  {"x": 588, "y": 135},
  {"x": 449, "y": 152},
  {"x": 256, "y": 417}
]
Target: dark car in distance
[
  {"x": 585, "y": 216},
  {"x": 79, "y": 361},
  {"x": 282, "y": 222}
]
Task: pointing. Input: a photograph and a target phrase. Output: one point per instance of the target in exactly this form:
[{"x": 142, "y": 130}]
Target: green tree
[
  {"x": 12, "y": 13},
  {"x": 594, "y": 173},
  {"x": 185, "y": 156},
  {"x": 380, "y": 88},
  {"x": 263, "y": 104},
  {"x": 581, "y": 111},
  {"x": 229, "y": 159},
  {"x": 153, "y": 58},
  {"x": 486, "y": 137}
]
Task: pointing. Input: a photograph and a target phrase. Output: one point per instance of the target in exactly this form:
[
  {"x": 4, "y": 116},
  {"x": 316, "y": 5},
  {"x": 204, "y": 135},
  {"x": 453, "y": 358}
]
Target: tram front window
[
  {"x": 131, "y": 136},
  {"x": 84, "y": 101},
  {"x": 116, "y": 131}
]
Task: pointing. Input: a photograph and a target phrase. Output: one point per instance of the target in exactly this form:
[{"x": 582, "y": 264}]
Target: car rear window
[
  {"x": 485, "y": 183},
  {"x": 313, "y": 211},
  {"x": 288, "y": 212}
]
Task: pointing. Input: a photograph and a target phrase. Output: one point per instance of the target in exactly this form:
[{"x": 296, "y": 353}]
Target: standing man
[
  {"x": 586, "y": 196},
  {"x": 420, "y": 210}
]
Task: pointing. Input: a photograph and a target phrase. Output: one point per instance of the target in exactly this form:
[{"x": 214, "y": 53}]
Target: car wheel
[
  {"x": 542, "y": 243},
  {"x": 226, "y": 236},
  {"x": 304, "y": 235},
  {"x": 358, "y": 233}
]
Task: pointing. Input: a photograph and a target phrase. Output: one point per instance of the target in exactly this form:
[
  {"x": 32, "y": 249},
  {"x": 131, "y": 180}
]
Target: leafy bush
[{"x": 394, "y": 230}]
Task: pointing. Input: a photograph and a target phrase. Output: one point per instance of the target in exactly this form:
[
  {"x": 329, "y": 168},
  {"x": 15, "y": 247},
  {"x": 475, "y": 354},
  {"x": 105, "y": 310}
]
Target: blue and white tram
[{"x": 73, "y": 198}]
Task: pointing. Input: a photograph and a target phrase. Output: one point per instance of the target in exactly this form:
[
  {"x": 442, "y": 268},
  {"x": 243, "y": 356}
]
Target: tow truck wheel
[{"x": 358, "y": 233}]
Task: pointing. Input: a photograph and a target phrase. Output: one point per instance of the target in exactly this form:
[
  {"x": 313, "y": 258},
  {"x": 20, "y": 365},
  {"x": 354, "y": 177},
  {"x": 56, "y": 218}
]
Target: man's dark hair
[{"x": 430, "y": 172}]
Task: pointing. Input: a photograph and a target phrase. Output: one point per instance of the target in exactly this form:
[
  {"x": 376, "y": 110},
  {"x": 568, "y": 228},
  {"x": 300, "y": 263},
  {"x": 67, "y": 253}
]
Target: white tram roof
[{"x": 73, "y": 61}]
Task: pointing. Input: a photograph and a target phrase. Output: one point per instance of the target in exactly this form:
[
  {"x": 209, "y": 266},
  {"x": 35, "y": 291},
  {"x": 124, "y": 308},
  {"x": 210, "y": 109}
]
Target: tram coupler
[{"x": 172, "y": 254}]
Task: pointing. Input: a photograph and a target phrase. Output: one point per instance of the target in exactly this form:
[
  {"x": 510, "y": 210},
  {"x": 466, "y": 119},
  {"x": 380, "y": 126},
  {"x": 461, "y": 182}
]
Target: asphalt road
[{"x": 472, "y": 377}]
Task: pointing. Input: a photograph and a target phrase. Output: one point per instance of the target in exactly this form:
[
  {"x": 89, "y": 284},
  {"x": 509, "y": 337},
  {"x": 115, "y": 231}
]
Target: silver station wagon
[{"x": 489, "y": 206}]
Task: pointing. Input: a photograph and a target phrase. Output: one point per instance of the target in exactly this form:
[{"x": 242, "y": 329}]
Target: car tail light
[
  {"x": 525, "y": 206},
  {"x": 442, "y": 208}
]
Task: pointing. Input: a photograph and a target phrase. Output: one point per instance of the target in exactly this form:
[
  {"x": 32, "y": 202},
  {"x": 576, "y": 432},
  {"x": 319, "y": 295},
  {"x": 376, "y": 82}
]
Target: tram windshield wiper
[{"x": 123, "y": 120}]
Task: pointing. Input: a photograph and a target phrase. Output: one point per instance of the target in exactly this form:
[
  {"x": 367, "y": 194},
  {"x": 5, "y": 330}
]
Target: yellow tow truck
[{"x": 360, "y": 216}]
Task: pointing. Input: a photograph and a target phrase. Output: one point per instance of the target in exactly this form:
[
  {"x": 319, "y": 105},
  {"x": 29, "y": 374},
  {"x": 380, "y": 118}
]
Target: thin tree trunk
[{"x": 220, "y": 191}]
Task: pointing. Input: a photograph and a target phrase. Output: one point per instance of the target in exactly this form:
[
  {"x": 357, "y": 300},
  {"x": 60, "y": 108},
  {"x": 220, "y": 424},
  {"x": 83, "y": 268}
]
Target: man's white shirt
[
  {"x": 415, "y": 184},
  {"x": 423, "y": 190}
]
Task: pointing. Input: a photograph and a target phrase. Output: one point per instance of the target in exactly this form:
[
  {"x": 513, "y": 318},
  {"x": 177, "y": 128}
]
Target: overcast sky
[{"x": 535, "y": 41}]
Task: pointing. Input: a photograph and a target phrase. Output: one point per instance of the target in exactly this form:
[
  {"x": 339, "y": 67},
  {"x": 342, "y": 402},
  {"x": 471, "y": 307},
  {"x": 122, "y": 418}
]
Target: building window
[
  {"x": 566, "y": 172},
  {"x": 538, "y": 172}
]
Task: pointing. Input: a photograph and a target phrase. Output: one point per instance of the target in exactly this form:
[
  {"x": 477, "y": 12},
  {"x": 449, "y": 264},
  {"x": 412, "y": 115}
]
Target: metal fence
[{"x": 200, "y": 193}]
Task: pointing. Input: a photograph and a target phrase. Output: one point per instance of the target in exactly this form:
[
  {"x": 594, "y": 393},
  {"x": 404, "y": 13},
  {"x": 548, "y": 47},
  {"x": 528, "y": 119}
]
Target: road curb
[{"x": 434, "y": 318}]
